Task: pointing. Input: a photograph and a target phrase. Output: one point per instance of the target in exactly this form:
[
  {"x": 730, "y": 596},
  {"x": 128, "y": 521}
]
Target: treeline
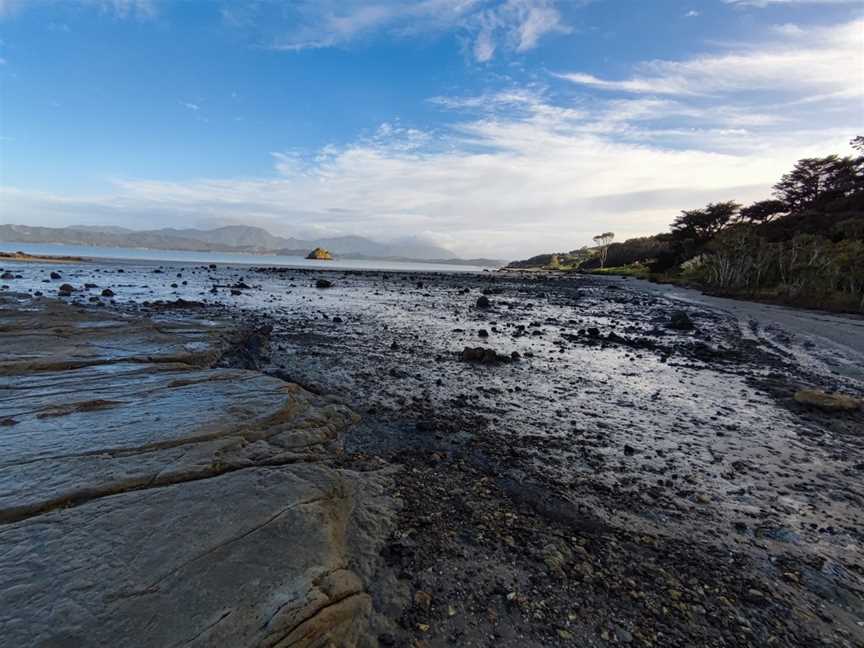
[{"x": 805, "y": 245}]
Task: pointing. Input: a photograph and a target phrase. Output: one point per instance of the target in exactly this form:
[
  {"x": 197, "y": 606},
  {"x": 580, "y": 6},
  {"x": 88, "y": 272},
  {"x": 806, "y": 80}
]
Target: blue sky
[{"x": 494, "y": 127}]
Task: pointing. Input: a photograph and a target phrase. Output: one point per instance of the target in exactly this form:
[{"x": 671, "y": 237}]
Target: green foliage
[{"x": 558, "y": 261}]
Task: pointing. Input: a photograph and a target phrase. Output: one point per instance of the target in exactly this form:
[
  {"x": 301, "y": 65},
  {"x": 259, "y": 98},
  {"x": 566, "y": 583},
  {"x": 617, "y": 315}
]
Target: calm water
[{"x": 230, "y": 258}]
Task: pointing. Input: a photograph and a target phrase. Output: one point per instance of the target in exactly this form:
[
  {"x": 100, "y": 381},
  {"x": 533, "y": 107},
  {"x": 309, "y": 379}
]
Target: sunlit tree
[{"x": 602, "y": 241}]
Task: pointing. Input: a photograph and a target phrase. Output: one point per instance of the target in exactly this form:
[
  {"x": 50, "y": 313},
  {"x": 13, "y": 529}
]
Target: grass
[{"x": 634, "y": 270}]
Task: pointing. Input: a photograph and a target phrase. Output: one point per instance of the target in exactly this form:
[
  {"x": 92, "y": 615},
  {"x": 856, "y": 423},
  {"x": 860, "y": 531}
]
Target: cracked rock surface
[{"x": 150, "y": 498}]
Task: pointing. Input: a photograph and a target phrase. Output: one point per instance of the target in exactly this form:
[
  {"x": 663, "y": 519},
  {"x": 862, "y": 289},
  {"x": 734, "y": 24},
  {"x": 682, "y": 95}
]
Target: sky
[{"x": 498, "y": 128}]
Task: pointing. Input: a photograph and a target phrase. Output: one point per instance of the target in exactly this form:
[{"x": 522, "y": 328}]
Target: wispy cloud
[
  {"x": 489, "y": 26},
  {"x": 823, "y": 60},
  {"x": 191, "y": 106}
]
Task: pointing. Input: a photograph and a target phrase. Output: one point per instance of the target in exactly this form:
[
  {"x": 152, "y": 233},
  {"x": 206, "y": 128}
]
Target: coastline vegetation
[{"x": 804, "y": 246}]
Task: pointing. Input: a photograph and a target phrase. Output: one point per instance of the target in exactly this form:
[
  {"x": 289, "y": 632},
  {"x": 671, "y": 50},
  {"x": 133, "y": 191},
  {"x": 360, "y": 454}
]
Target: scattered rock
[
  {"x": 323, "y": 283},
  {"x": 483, "y": 302}
]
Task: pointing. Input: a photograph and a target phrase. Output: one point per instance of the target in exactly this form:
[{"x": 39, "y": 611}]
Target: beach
[{"x": 560, "y": 459}]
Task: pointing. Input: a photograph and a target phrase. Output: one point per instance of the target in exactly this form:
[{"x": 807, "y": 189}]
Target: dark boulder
[
  {"x": 323, "y": 283},
  {"x": 482, "y": 355},
  {"x": 680, "y": 321}
]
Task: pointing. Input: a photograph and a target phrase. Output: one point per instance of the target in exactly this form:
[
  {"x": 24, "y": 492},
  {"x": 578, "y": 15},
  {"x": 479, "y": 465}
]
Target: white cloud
[
  {"x": 823, "y": 60},
  {"x": 191, "y": 106},
  {"x": 692, "y": 14},
  {"x": 489, "y": 26}
]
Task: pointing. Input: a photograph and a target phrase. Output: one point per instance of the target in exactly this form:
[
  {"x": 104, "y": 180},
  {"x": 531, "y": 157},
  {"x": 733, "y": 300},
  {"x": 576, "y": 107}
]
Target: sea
[{"x": 185, "y": 256}]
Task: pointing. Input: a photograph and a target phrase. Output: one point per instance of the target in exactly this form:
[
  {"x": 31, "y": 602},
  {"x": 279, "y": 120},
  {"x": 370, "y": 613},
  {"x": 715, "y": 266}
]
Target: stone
[
  {"x": 66, "y": 289},
  {"x": 7, "y": 275},
  {"x": 422, "y": 599},
  {"x": 161, "y": 487},
  {"x": 483, "y": 302},
  {"x": 323, "y": 283},
  {"x": 482, "y": 355},
  {"x": 107, "y": 292},
  {"x": 680, "y": 321}
]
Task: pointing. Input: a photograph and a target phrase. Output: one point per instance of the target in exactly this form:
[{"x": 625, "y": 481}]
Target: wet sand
[{"x": 619, "y": 481}]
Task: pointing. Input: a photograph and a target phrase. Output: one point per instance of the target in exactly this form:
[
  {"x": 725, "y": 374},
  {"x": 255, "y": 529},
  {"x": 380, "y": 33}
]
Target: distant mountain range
[{"x": 233, "y": 238}]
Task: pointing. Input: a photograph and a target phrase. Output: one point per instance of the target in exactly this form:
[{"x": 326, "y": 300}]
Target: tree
[
  {"x": 815, "y": 182},
  {"x": 763, "y": 211},
  {"x": 704, "y": 224},
  {"x": 603, "y": 240}
]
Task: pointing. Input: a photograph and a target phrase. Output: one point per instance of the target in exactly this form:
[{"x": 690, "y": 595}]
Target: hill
[{"x": 232, "y": 238}]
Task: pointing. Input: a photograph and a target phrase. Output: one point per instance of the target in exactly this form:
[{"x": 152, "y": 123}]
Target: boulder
[
  {"x": 483, "y": 355},
  {"x": 323, "y": 283},
  {"x": 680, "y": 321}
]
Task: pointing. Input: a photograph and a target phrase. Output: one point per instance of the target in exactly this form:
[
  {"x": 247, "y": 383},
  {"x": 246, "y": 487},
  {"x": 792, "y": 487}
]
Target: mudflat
[{"x": 619, "y": 463}]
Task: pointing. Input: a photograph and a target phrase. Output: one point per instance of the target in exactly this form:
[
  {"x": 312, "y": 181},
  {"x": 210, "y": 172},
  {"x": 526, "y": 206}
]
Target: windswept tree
[
  {"x": 816, "y": 182},
  {"x": 763, "y": 211},
  {"x": 702, "y": 225},
  {"x": 602, "y": 241}
]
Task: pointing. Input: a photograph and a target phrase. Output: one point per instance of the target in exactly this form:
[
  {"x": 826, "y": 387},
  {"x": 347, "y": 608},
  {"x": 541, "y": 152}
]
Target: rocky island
[{"x": 320, "y": 254}]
